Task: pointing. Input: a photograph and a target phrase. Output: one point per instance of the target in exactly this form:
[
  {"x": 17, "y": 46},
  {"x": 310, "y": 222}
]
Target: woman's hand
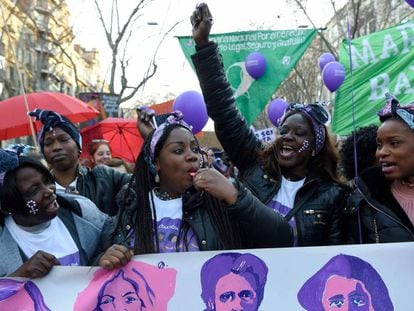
[
  {"x": 115, "y": 257},
  {"x": 37, "y": 266},
  {"x": 216, "y": 184},
  {"x": 144, "y": 118},
  {"x": 202, "y": 21}
]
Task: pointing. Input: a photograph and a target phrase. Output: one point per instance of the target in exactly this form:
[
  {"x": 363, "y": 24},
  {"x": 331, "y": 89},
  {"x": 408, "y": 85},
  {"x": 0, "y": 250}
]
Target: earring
[
  {"x": 157, "y": 178},
  {"x": 31, "y": 205},
  {"x": 313, "y": 153}
]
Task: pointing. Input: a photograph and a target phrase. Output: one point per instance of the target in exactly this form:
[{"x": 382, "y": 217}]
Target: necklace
[{"x": 162, "y": 195}]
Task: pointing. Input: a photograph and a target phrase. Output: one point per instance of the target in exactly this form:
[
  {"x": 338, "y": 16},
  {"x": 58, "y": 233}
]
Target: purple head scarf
[
  {"x": 393, "y": 109},
  {"x": 319, "y": 117},
  {"x": 176, "y": 118}
]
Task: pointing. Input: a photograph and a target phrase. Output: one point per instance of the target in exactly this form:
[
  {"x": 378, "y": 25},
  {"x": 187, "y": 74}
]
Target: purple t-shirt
[{"x": 169, "y": 219}]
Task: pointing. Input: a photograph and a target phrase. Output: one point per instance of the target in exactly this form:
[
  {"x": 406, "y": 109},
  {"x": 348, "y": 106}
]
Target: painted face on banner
[
  {"x": 346, "y": 294},
  {"x": 120, "y": 295},
  {"x": 21, "y": 301},
  {"x": 234, "y": 292}
]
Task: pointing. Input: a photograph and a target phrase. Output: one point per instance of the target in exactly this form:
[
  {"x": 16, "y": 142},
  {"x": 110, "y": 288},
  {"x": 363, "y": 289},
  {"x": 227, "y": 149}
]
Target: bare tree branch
[
  {"x": 328, "y": 44},
  {"x": 114, "y": 43}
]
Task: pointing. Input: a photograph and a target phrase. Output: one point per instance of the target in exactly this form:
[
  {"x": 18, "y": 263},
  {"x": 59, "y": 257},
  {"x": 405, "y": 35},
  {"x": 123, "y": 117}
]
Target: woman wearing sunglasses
[{"x": 297, "y": 175}]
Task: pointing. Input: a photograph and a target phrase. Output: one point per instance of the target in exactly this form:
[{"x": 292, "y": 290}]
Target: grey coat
[{"x": 84, "y": 227}]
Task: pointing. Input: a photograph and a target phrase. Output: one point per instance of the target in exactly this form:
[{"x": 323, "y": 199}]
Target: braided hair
[{"x": 145, "y": 218}]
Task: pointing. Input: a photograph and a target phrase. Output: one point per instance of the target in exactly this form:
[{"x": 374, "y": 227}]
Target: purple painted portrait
[
  {"x": 18, "y": 295},
  {"x": 345, "y": 283},
  {"x": 233, "y": 281},
  {"x": 136, "y": 286}
]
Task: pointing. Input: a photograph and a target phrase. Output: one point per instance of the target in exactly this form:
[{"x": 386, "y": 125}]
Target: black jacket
[
  {"x": 101, "y": 184},
  {"x": 380, "y": 216},
  {"x": 258, "y": 225},
  {"x": 318, "y": 204}
]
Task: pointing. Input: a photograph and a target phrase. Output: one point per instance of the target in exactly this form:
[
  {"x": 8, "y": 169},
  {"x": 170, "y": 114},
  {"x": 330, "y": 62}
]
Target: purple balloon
[
  {"x": 410, "y": 2},
  {"x": 255, "y": 64},
  {"x": 324, "y": 59},
  {"x": 333, "y": 75},
  {"x": 276, "y": 110},
  {"x": 193, "y": 107}
]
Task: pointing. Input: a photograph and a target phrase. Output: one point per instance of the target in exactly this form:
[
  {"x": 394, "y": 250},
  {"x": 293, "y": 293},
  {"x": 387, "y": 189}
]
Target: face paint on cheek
[
  {"x": 31, "y": 205},
  {"x": 305, "y": 146}
]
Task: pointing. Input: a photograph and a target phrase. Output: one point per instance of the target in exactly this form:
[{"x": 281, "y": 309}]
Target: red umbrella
[
  {"x": 14, "y": 121},
  {"x": 122, "y": 135}
]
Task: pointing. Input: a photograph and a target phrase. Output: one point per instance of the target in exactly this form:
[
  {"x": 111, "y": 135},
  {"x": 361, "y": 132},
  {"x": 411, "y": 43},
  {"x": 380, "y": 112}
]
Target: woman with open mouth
[
  {"x": 297, "y": 175},
  {"x": 176, "y": 204},
  {"x": 39, "y": 229},
  {"x": 383, "y": 202}
]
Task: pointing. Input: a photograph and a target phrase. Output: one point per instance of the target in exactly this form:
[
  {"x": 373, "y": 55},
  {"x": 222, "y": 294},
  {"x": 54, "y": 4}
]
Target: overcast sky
[{"x": 174, "y": 73}]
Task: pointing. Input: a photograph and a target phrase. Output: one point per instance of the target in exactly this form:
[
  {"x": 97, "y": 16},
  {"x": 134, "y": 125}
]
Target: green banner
[
  {"x": 381, "y": 62},
  {"x": 282, "y": 49}
]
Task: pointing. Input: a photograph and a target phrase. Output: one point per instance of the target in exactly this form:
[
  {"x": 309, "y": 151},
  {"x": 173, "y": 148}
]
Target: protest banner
[
  {"x": 367, "y": 277},
  {"x": 281, "y": 49},
  {"x": 266, "y": 135},
  {"x": 381, "y": 62}
]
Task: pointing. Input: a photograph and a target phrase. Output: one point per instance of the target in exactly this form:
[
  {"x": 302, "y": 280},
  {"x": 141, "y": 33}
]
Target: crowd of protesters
[{"x": 298, "y": 191}]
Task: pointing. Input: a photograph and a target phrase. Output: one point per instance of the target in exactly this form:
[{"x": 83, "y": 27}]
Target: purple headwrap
[
  {"x": 175, "y": 118},
  {"x": 393, "y": 109},
  {"x": 50, "y": 120},
  {"x": 319, "y": 117}
]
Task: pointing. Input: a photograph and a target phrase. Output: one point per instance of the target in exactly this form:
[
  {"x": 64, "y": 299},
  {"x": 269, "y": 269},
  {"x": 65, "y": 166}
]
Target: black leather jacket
[
  {"x": 381, "y": 217},
  {"x": 101, "y": 184},
  {"x": 258, "y": 225},
  {"x": 318, "y": 204}
]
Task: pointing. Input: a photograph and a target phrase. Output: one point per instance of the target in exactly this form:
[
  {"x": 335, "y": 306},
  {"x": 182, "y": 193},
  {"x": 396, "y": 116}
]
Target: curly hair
[{"x": 366, "y": 146}]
